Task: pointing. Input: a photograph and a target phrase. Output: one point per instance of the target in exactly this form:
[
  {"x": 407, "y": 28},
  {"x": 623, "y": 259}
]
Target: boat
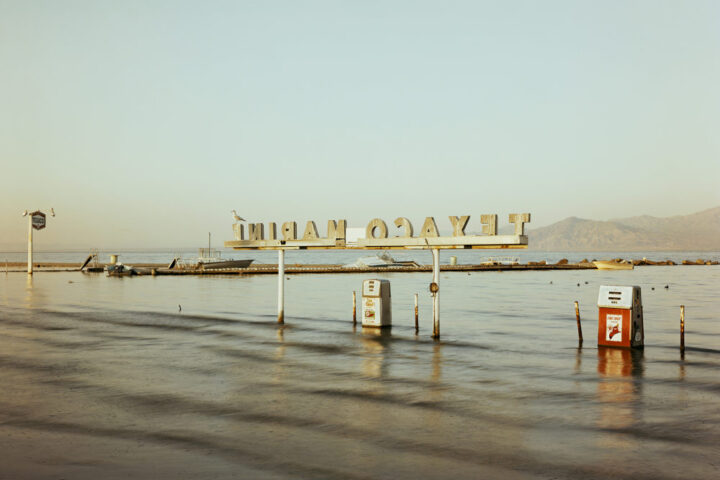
[
  {"x": 119, "y": 270},
  {"x": 613, "y": 265},
  {"x": 380, "y": 260},
  {"x": 490, "y": 261},
  {"x": 209, "y": 258}
]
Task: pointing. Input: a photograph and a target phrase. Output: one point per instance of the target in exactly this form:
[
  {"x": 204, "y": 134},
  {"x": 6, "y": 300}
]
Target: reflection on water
[
  {"x": 375, "y": 342},
  {"x": 578, "y": 359},
  {"x": 29, "y": 291},
  {"x": 102, "y": 375},
  {"x": 279, "y": 370},
  {"x": 618, "y": 390},
  {"x": 436, "y": 375}
]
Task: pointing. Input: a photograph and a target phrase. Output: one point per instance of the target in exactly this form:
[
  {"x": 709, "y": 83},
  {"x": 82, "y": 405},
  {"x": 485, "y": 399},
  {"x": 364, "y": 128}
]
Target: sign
[
  {"x": 38, "y": 220},
  {"x": 378, "y": 235},
  {"x": 613, "y": 328}
]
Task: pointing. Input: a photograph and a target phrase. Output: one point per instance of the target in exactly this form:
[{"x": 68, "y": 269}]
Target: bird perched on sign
[{"x": 236, "y": 217}]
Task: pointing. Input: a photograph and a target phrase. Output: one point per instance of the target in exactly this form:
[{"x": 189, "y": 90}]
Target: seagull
[
  {"x": 25, "y": 213},
  {"x": 179, "y": 308},
  {"x": 237, "y": 218},
  {"x": 52, "y": 212}
]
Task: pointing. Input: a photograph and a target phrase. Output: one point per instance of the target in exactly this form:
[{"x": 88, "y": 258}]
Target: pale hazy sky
[{"x": 143, "y": 123}]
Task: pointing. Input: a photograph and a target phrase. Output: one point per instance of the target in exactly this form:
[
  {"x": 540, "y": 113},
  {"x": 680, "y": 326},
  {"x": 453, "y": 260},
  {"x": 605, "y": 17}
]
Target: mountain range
[{"x": 698, "y": 231}]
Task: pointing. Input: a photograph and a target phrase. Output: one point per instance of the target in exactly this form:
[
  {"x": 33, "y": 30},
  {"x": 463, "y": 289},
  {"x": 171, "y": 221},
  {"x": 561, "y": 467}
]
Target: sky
[{"x": 144, "y": 123}]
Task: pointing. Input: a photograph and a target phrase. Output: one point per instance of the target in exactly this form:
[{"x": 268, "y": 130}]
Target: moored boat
[
  {"x": 119, "y": 270},
  {"x": 209, "y": 258},
  {"x": 492, "y": 261},
  {"x": 380, "y": 260},
  {"x": 613, "y": 265},
  {"x": 225, "y": 264}
]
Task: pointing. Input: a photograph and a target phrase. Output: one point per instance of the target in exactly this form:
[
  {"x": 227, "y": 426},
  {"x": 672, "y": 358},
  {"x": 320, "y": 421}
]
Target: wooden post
[
  {"x": 682, "y": 329},
  {"x": 436, "y": 294},
  {"x": 30, "y": 245},
  {"x": 579, "y": 326},
  {"x": 417, "y": 328},
  {"x": 354, "y": 308},
  {"x": 281, "y": 286}
]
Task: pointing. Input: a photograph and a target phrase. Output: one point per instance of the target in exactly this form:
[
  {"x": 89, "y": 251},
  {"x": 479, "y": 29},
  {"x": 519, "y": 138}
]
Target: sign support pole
[
  {"x": 281, "y": 286},
  {"x": 30, "y": 246},
  {"x": 436, "y": 295}
]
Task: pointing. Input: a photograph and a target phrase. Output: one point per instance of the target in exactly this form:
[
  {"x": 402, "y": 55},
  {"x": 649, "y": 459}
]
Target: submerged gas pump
[
  {"x": 620, "y": 317},
  {"x": 376, "y": 303}
]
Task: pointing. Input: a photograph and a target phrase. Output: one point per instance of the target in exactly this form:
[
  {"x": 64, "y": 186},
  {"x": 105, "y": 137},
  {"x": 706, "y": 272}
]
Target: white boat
[
  {"x": 500, "y": 261},
  {"x": 380, "y": 260},
  {"x": 613, "y": 265},
  {"x": 209, "y": 258}
]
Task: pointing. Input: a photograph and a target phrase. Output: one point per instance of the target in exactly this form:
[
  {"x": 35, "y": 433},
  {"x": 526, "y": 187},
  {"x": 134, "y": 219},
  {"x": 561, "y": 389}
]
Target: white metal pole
[
  {"x": 436, "y": 295},
  {"x": 281, "y": 286},
  {"x": 30, "y": 245}
]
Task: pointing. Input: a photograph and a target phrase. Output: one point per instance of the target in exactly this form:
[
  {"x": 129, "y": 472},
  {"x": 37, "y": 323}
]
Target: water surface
[{"x": 191, "y": 377}]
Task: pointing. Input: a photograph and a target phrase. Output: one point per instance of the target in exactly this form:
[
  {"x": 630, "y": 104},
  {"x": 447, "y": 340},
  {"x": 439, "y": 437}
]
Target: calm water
[{"x": 106, "y": 378}]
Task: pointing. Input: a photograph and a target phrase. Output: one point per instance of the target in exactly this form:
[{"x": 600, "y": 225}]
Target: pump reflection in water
[
  {"x": 618, "y": 392},
  {"x": 376, "y": 346}
]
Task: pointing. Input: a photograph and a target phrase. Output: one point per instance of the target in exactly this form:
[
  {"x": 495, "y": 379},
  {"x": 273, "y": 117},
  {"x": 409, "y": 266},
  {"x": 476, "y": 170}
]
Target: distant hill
[{"x": 698, "y": 231}]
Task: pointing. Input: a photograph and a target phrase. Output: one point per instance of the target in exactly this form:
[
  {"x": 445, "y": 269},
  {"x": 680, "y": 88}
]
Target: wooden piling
[
  {"x": 579, "y": 326},
  {"x": 354, "y": 308},
  {"x": 417, "y": 328},
  {"x": 435, "y": 288},
  {"x": 281, "y": 286},
  {"x": 682, "y": 329}
]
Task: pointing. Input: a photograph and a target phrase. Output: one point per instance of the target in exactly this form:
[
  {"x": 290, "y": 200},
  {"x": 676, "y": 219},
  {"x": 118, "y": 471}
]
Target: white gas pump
[{"x": 376, "y": 303}]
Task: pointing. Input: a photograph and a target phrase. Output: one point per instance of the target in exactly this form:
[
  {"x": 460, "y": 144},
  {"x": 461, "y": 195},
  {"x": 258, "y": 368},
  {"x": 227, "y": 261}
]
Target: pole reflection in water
[
  {"x": 29, "y": 291},
  {"x": 436, "y": 375},
  {"x": 619, "y": 393},
  {"x": 578, "y": 360},
  {"x": 279, "y": 365}
]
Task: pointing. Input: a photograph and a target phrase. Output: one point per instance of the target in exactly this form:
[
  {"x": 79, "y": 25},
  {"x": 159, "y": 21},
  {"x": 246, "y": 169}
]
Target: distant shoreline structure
[{"x": 260, "y": 269}]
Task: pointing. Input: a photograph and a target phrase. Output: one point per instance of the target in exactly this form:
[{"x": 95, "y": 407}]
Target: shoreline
[{"x": 262, "y": 269}]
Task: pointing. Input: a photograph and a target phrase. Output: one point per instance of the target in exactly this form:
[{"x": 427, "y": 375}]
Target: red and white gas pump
[{"x": 620, "y": 317}]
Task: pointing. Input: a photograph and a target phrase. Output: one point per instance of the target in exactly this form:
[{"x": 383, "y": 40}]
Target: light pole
[{"x": 36, "y": 220}]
